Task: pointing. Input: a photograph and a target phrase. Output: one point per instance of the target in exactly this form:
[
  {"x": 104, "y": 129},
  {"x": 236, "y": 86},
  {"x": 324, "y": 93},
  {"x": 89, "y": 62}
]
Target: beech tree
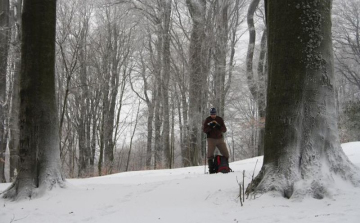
[
  {"x": 302, "y": 146},
  {"x": 256, "y": 80},
  {"x": 198, "y": 77},
  {"x": 166, "y": 5},
  {"x": 39, "y": 164},
  {"x": 4, "y": 49},
  {"x": 15, "y": 63}
]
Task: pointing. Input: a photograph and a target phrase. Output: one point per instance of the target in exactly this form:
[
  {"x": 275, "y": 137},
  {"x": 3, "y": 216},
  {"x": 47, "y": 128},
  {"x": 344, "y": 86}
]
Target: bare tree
[
  {"x": 39, "y": 167},
  {"x": 347, "y": 40},
  {"x": 302, "y": 147},
  {"x": 256, "y": 81},
  {"x": 4, "y": 49},
  {"x": 115, "y": 47},
  {"x": 149, "y": 100},
  {"x": 180, "y": 65},
  {"x": 132, "y": 136},
  {"x": 198, "y": 78},
  {"x": 166, "y": 5},
  {"x": 14, "y": 126},
  {"x": 220, "y": 53}
]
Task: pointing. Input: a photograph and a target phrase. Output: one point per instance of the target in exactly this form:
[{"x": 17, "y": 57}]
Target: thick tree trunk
[
  {"x": 4, "y": 49},
  {"x": 302, "y": 147},
  {"x": 221, "y": 21},
  {"x": 197, "y": 9},
  {"x": 15, "y": 100},
  {"x": 14, "y": 131},
  {"x": 39, "y": 167}
]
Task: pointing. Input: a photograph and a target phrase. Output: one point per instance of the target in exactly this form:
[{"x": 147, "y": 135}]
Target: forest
[{"x": 135, "y": 79}]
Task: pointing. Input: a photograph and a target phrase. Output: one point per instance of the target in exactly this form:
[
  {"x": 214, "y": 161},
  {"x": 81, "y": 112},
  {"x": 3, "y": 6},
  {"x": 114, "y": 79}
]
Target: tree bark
[
  {"x": 251, "y": 47},
  {"x": 166, "y": 77},
  {"x": 158, "y": 95},
  {"x": 39, "y": 166},
  {"x": 255, "y": 83},
  {"x": 197, "y": 9},
  {"x": 261, "y": 102},
  {"x": 15, "y": 100},
  {"x": 4, "y": 49},
  {"x": 302, "y": 147},
  {"x": 221, "y": 41},
  {"x": 84, "y": 148}
]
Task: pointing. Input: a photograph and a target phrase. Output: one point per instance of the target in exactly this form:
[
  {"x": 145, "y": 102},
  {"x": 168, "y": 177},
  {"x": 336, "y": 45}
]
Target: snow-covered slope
[{"x": 184, "y": 195}]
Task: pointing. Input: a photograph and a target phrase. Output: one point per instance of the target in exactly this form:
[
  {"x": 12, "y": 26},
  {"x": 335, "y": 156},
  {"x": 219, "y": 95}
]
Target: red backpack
[{"x": 221, "y": 164}]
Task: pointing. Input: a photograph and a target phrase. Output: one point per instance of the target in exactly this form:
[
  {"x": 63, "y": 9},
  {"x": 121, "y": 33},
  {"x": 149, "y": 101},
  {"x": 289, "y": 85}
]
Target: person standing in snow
[{"x": 214, "y": 127}]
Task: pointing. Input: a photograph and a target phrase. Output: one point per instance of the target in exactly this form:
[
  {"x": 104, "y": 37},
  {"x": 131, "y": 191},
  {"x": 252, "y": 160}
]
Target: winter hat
[{"x": 213, "y": 111}]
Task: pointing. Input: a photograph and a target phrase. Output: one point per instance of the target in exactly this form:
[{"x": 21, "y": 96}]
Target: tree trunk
[
  {"x": 157, "y": 100},
  {"x": 251, "y": 78},
  {"x": 197, "y": 9},
  {"x": 39, "y": 134},
  {"x": 302, "y": 147},
  {"x": 251, "y": 47},
  {"x": 14, "y": 131},
  {"x": 4, "y": 49},
  {"x": 261, "y": 102},
  {"x": 165, "y": 83},
  {"x": 172, "y": 138},
  {"x": 221, "y": 21},
  {"x": 132, "y": 137},
  {"x": 101, "y": 146},
  {"x": 15, "y": 107},
  {"x": 84, "y": 149}
]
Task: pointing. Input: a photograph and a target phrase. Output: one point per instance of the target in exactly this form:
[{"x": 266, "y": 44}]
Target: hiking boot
[{"x": 211, "y": 166}]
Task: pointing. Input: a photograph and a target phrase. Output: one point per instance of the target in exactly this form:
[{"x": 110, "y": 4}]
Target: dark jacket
[{"x": 215, "y": 132}]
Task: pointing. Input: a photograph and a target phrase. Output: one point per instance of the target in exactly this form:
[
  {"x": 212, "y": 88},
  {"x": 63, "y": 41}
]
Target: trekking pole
[
  {"x": 205, "y": 157},
  {"x": 205, "y": 164}
]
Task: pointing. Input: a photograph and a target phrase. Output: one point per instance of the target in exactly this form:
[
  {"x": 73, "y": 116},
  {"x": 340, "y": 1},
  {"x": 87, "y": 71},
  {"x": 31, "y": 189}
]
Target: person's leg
[
  {"x": 221, "y": 145},
  {"x": 210, "y": 156},
  {"x": 211, "y": 148}
]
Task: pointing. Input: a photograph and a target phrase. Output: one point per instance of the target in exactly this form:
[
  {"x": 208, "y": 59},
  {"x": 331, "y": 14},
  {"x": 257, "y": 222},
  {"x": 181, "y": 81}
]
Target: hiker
[{"x": 214, "y": 127}]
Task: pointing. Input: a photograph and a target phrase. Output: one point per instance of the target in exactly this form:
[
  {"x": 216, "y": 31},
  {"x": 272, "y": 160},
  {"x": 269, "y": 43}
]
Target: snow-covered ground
[{"x": 184, "y": 195}]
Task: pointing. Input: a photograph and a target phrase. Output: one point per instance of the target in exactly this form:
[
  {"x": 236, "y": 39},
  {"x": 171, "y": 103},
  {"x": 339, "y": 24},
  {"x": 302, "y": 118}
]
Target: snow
[{"x": 184, "y": 195}]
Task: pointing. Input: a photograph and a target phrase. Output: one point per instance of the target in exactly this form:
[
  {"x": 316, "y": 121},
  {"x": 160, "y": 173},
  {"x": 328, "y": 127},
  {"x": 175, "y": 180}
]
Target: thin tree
[
  {"x": 149, "y": 100},
  {"x": 39, "y": 165},
  {"x": 166, "y": 78},
  {"x": 256, "y": 83},
  {"x": 347, "y": 40},
  {"x": 302, "y": 147},
  {"x": 132, "y": 136}
]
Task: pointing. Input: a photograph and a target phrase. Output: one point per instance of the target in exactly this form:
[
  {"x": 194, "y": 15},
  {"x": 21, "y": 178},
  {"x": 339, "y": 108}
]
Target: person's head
[{"x": 213, "y": 112}]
